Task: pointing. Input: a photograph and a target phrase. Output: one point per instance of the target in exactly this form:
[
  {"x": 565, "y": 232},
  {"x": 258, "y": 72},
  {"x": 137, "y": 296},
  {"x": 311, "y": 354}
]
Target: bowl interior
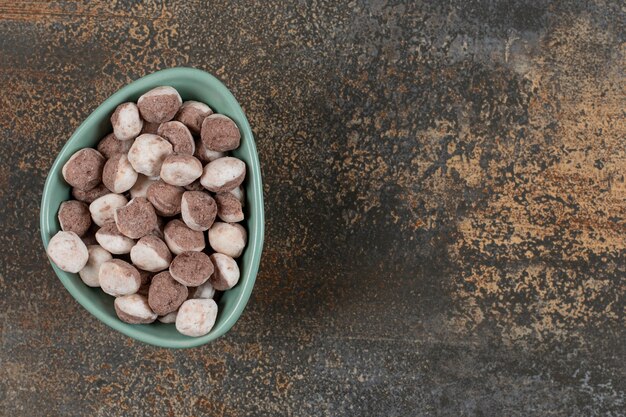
[{"x": 192, "y": 84}]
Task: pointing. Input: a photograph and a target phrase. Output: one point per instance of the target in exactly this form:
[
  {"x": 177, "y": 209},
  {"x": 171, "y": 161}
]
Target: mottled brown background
[{"x": 445, "y": 201}]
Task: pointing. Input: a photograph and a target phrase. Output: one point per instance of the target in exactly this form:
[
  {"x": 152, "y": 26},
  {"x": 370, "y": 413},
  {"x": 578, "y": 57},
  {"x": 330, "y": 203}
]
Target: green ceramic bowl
[{"x": 192, "y": 84}]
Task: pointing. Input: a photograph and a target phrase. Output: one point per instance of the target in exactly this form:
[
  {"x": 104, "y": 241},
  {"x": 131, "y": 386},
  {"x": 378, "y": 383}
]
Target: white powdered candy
[
  {"x": 126, "y": 121},
  {"x": 68, "y": 252},
  {"x": 228, "y": 238},
  {"x": 180, "y": 169},
  {"x": 196, "y": 317},
  {"x": 134, "y": 309},
  {"x": 111, "y": 239},
  {"x": 103, "y": 209},
  {"x": 226, "y": 273},
  {"x": 148, "y": 153},
  {"x": 118, "y": 174},
  {"x": 119, "y": 278},
  {"x": 151, "y": 254},
  {"x": 223, "y": 174},
  {"x": 91, "y": 271}
]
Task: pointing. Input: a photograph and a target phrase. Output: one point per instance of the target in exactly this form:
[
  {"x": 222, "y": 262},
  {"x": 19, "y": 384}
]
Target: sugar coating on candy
[
  {"x": 151, "y": 254},
  {"x": 192, "y": 114},
  {"x": 223, "y": 174},
  {"x": 205, "y": 290},
  {"x": 205, "y": 154},
  {"x": 91, "y": 271},
  {"x": 179, "y": 136},
  {"x": 74, "y": 217},
  {"x": 198, "y": 210},
  {"x": 140, "y": 189},
  {"x": 147, "y": 154},
  {"x": 228, "y": 238},
  {"x": 160, "y": 104},
  {"x": 180, "y": 238},
  {"x": 90, "y": 195},
  {"x": 169, "y": 317},
  {"x": 165, "y": 294},
  {"x": 196, "y": 317},
  {"x": 165, "y": 198},
  {"x": 226, "y": 274},
  {"x": 118, "y": 174},
  {"x": 110, "y": 238},
  {"x": 150, "y": 128},
  {"x": 136, "y": 219},
  {"x": 118, "y": 278},
  {"x": 84, "y": 169},
  {"x": 191, "y": 268},
  {"x": 229, "y": 208},
  {"x": 180, "y": 169},
  {"x": 126, "y": 121},
  {"x": 103, "y": 208},
  {"x": 220, "y": 133},
  {"x": 67, "y": 251},
  {"x": 110, "y": 145},
  {"x": 134, "y": 309}
]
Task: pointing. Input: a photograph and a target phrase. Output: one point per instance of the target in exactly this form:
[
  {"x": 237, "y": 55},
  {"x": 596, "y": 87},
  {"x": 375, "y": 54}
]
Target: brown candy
[
  {"x": 229, "y": 208},
  {"x": 159, "y": 104},
  {"x": 220, "y": 133},
  {"x": 166, "y": 294},
  {"x": 136, "y": 219},
  {"x": 192, "y": 114},
  {"x": 191, "y": 268},
  {"x": 84, "y": 169},
  {"x": 109, "y": 146},
  {"x": 74, "y": 217},
  {"x": 118, "y": 174},
  {"x": 180, "y": 238},
  {"x": 206, "y": 155},
  {"x": 152, "y": 128},
  {"x": 179, "y": 136},
  {"x": 165, "y": 198},
  {"x": 198, "y": 210}
]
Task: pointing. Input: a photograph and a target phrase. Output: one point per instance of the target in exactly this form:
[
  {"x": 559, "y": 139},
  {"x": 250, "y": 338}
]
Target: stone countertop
[{"x": 445, "y": 202}]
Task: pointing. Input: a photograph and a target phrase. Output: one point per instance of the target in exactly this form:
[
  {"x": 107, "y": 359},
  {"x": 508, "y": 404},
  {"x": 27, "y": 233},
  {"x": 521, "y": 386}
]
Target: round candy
[
  {"x": 118, "y": 174},
  {"x": 198, "y": 210},
  {"x": 228, "y": 238},
  {"x": 196, "y": 317},
  {"x": 205, "y": 154},
  {"x": 103, "y": 208},
  {"x": 117, "y": 278},
  {"x": 159, "y": 104},
  {"x": 205, "y": 290},
  {"x": 126, "y": 121},
  {"x": 226, "y": 273},
  {"x": 110, "y": 238},
  {"x": 191, "y": 268},
  {"x": 140, "y": 189},
  {"x": 74, "y": 217},
  {"x": 223, "y": 174},
  {"x": 151, "y": 254},
  {"x": 220, "y": 133},
  {"x": 180, "y": 169},
  {"x": 180, "y": 238},
  {"x": 192, "y": 114},
  {"x": 165, "y": 198},
  {"x": 134, "y": 309},
  {"x": 136, "y": 219},
  {"x": 84, "y": 169},
  {"x": 179, "y": 136},
  {"x": 147, "y": 154},
  {"x": 229, "y": 208},
  {"x": 90, "y": 272},
  {"x": 67, "y": 251},
  {"x": 166, "y": 294}
]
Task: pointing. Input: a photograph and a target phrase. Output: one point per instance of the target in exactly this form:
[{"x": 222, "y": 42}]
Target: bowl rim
[{"x": 255, "y": 245}]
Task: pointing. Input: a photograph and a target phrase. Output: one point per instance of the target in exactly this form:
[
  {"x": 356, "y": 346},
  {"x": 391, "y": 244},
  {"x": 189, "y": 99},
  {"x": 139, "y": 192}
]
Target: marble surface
[{"x": 445, "y": 202}]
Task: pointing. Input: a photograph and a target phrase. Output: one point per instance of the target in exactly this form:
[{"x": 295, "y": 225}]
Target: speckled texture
[{"x": 445, "y": 202}]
